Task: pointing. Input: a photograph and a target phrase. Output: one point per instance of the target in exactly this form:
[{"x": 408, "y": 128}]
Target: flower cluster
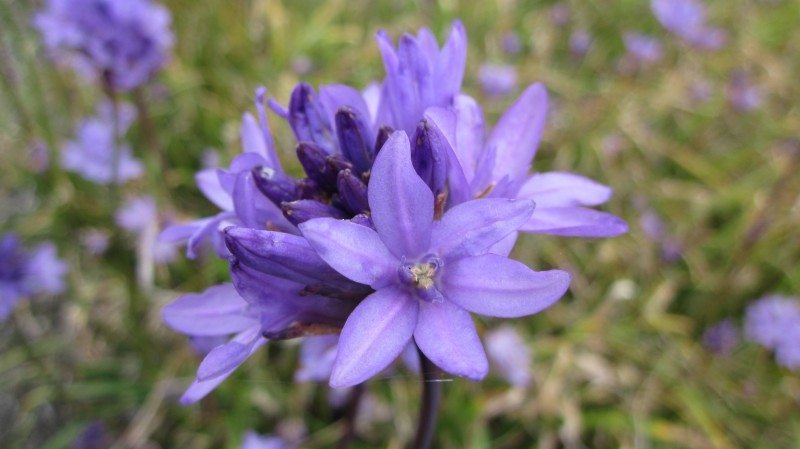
[
  {"x": 122, "y": 43},
  {"x": 774, "y": 322},
  {"x": 687, "y": 20},
  {"x": 96, "y": 154},
  {"x": 25, "y": 273},
  {"x": 399, "y": 229}
]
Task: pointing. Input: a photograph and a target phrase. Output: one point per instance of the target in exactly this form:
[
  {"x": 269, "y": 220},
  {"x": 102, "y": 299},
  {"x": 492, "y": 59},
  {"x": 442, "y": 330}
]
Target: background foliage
[{"x": 618, "y": 363}]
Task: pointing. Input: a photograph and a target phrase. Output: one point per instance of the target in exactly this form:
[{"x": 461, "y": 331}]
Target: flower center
[{"x": 421, "y": 277}]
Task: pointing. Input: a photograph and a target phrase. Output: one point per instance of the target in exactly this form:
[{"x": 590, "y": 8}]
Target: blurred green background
[{"x": 618, "y": 363}]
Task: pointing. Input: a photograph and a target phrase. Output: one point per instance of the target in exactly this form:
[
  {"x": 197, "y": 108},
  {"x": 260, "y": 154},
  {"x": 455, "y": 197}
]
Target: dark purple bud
[
  {"x": 363, "y": 220},
  {"x": 337, "y": 163},
  {"x": 383, "y": 136},
  {"x": 352, "y": 192},
  {"x": 314, "y": 162},
  {"x": 287, "y": 256},
  {"x": 277, "y": 187},
  {"x": 303, "y": 210},
  {"x": 354, "y": 138},
  {"x": 308, "y": 189},
  {"x": 309, "y": 120},
  {"x": 429, "y": 156}
]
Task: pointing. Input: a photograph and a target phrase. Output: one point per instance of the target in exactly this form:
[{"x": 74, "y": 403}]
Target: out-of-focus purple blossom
[
  {"x": 774, "y": 322},
  {"x": 317, "y": 355},
  {"x": 700, "y": 90},
  {"x": 722, "y": 338},
  {"x": 121, "y": 43},
  {"x": 40, "y": 156},
  {"x": 253, "y": 440},
  {"x": 612, "y": 144},
  {"x": 510, "y": 354},
  {"x": 687, "y": 20},
  {"x": 770, "y": 318},
  {"x": 137, "y": 214},
  {"x": 560, "y": 14},
  {"x": 655, "y": 229},
  {"x": 27, "y": 272},
  {"x": 95, "y": 149},
  {"x": 497, "y": 79},
  {"x": 427, "y": 275},
  {"x": 511, "y": 43},
  {"x": 94, "y": 436},
  {"x": 210, "y": 158},
  {"x": 743, "y": 94},
  {"x": 302, "y": 65},
  {"x": 788, "y": 351},
  {"x": 95, "y": 241},
  {"x": 643, "y": 48},
  {"x": 580, "y": 42}
]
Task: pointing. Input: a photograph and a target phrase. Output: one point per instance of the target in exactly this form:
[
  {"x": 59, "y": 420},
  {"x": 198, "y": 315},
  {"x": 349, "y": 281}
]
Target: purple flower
[
  {"x": 511, "y": 43},
  {"x": 497, "y": 167},
  {"x": 560, "y": 14},
  {"x": 580, "y": 42},
  {"x": 743, "y": 94},
  {"x": 39, "y": 157},
  {"x": 253, "y": 440},
  {"x": 426, "y": 274},
  {"x": 687, "y": 20},
  {"x": 643, "y": 48},
  {"x": 774, "y": 322},
  {"x": 137, "y": 214},
  {"x": 771, "y": 318},
  {"x": 510, "y": 354},
  {"x": 94, "y": 436},
  {"x": 419, "y": 75},
  {"x": 788, "y": 351},
  {"x": 497, "y": 79},
  {"x": 721, "y": 338},
  {"x": 122, "y": 43},
  {"x": 95, "y": 241},
  {"x": 92, "y": 153},
  {"x": 25, "y": 273}
]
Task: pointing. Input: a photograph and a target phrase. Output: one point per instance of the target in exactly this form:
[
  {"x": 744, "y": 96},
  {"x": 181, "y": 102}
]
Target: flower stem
[
  {"x": 350, "y": 414},
  {"x": 429, "y": 408}
]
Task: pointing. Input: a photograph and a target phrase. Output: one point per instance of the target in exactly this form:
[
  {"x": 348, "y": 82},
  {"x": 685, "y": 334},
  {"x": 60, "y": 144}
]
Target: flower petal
[
  {"x": 208, "y": 182},
  {"x": 217, "y": 311},
  {"x": 373, "y": 336},
  {"x": 493, "y": 285},
  {"x": 401, "y": 202},
  {"x": 446, "y": 335},
  {"x": 252, "y": 138},
  {"x": 450, "y": 65},
  {"x": 558, "y": 189},
  {"x": 574, "y": 222},
  {"x": 516, "y": 136},
  {"x": 469, "y": 133},
  {"x": 200, "y": 388},
  {"x": 472, "y": 228},
  {"x": 228, "y": 357},
  {"x": 334, "y": 96},
  {"x": 280, "y": 254},
  {"x": 355, "y": 251}
]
